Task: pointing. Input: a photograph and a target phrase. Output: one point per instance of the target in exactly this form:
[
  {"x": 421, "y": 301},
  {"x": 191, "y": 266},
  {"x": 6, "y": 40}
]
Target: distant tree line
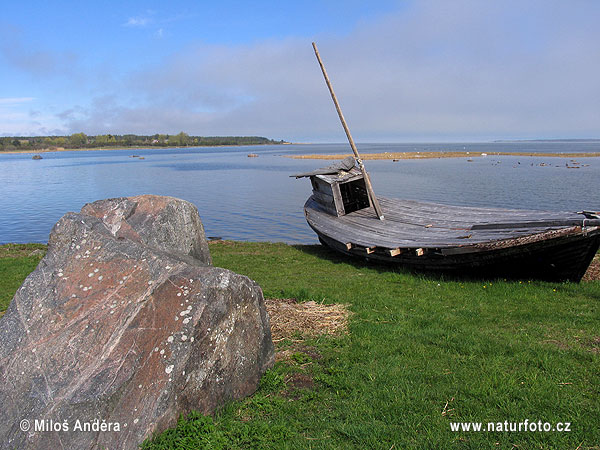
[{"x": 81, "y": 140}]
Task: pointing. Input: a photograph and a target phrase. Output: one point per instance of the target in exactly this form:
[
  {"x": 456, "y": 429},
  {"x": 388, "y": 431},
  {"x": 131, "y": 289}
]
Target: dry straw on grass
[
  {"x": 295, "y": 321},
  {"x": 290, "y": 319}
]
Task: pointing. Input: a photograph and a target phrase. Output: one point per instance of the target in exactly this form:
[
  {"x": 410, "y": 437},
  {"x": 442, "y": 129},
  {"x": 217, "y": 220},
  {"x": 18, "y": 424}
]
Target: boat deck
[{"x": 412, "y": 224}]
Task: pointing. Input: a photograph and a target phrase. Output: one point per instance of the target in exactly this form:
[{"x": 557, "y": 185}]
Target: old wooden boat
[{"x": 465, "y": 241}]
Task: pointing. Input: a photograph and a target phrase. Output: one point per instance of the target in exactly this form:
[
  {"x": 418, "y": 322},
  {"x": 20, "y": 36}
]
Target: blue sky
[{"x": 428, "y": 70}]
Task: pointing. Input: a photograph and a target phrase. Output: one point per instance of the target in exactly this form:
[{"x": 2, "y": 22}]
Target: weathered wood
[
  {"x": 395, "y": 251},
  {"x": 591, "y": 214},
  {"x": 403, "y": 229},
  {"x": 325, "y": 203},
  {"x": 558, "y": 255},
  {"x": 321, "y": 185},
  {"x": 337, "y": 197},
  {"x": 372, "y": 198},
  {"x": 323, "y": 198},
  {"x": 531, "y": 224},
  {"x": 343, "y": 177}
]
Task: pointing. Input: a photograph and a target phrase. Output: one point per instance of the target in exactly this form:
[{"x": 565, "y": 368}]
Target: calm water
[{"x": 254, "y": 199}]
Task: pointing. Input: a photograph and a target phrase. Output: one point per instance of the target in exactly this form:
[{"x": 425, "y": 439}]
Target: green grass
[
  {"x": 421, "y": 352},
  {"x": 16, "y": 262}
]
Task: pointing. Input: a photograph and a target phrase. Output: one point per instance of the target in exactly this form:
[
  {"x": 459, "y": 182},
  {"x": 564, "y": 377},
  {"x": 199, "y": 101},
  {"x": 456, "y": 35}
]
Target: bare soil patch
[
  {"x": 219, "y": 241},
  {"x": 592, "y": 344},
  {"x": 294, "y": 322}
]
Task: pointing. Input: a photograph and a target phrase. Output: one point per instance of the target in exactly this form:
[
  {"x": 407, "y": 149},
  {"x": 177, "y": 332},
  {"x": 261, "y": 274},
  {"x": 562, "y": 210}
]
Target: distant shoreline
[
  {"x": 365, "y": 156},
  {"x": 430, "y": 155},
  {"x": 60, "y": 149}
]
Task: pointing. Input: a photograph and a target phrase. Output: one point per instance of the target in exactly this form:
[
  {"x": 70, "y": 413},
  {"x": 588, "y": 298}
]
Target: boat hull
[
  {"x": 566, "y": 260},
  {"x": 555, "y": 254}
]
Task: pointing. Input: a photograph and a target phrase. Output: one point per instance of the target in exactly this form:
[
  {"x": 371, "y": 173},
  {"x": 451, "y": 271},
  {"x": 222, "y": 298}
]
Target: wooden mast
[{"x": 372, "y": 198}]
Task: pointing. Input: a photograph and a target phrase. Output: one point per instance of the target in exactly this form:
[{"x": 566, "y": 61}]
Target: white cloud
[
  {"x": 18, "y": 118},
  {"x": 15, "y": 100},
  {"x": 138, "y": 22},
  {"x": 439, "y": 70},
  {"x": 22, "y": 123}
]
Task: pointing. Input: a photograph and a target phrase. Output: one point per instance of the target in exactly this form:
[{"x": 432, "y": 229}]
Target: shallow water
[{"x": 254, "y": 199}]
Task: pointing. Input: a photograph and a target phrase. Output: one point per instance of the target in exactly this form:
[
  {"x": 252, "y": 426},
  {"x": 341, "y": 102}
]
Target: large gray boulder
[
  {"x": 116, "y": 333},
  {"x": 164, "y": 223}
]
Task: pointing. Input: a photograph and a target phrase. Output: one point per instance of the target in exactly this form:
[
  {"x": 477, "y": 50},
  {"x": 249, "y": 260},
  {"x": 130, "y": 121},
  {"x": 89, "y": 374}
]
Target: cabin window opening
[{"x": 354, "y": 195}]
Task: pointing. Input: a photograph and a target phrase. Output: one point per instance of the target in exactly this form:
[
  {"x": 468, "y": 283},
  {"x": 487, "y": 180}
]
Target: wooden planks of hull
[
  {"x": 498, "y": 242},
  {"x": 563, "y": 260}
]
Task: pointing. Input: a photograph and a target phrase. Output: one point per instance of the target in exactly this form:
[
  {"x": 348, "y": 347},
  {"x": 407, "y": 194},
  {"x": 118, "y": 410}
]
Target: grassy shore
[
  {"x": 429, "y": 155},
  {"x": 420, "y": 353}
]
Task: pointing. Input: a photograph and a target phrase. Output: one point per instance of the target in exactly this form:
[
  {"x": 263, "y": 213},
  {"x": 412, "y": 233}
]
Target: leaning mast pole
[{"x": 372, "y": 198}]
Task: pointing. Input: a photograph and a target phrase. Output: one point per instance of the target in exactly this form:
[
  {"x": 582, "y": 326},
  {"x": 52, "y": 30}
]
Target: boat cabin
[{"x": 340, "y": 193}]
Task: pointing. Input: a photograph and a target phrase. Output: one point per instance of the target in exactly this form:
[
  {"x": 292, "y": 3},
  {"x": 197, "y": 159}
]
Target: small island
[{"x": 81, "y": 141}]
